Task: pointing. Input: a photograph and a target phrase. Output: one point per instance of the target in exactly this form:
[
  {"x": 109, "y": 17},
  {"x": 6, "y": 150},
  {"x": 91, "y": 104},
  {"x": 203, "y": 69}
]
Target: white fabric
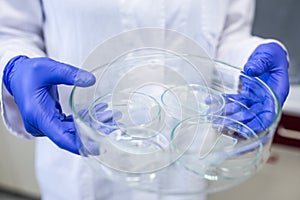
[{"x": 68, "y": 31}]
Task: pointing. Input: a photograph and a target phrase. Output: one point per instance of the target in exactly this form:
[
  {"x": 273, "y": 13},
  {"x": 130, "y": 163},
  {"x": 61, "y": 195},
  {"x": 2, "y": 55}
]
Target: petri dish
[
  {"x": 184, "y": 101},
  {"x": 125, "y": 110},
  {"x": 216, "y": 152},
  {"x": 131, "y": 122}
]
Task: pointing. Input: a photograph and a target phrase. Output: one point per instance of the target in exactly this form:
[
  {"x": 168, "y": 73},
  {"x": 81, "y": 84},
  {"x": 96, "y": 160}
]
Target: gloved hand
[
  {"x": 269, "y": 62},
  {"x": 32, "y": 82},
  {"x": 253, "y": 106}
]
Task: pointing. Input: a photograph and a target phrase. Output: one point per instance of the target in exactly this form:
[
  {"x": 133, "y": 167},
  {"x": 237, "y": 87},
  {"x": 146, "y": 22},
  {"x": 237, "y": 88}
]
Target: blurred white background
[{"x": 17, "y": 164}]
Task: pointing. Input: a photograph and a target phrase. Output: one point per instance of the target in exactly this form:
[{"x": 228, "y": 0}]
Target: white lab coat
[{"x": 68, "y": 30}]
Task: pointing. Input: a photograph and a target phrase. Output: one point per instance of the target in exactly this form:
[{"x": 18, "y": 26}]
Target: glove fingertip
[
  {"x": 249, "y": 71},
  {"x": 84, "y": 79},
  {"x": 255, "y": 68}
]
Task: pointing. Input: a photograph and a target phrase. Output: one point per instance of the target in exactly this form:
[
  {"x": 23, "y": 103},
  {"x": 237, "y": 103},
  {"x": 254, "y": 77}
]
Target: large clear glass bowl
[{"x": 173, "y": 121}]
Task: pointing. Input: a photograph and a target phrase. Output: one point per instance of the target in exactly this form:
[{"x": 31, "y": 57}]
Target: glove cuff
[{"x": 7, "y": 70}]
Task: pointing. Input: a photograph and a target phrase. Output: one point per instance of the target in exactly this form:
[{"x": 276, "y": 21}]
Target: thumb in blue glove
[
  {"x": 32, "y": 82},
  {"x": 269, "y": 62}
]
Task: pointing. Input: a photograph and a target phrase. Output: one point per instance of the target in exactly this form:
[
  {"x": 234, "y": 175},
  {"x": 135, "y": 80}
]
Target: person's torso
[
  {"x": 79, "y": 26},
  {"x": 73, "y": 28}
]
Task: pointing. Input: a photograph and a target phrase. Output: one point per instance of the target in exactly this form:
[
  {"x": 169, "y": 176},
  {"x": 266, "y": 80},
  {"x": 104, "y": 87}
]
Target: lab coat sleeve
[
  {"x": 20, "y": 34},
  {"x": 237, "y": 42}
]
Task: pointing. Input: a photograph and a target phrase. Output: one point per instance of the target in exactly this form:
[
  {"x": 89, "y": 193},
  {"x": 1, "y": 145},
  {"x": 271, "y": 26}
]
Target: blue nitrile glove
[
  {"x": 32, "y": 82},
  {"x": 269, "y": 62},
  {"x": 103, "y": 120},
  {"x": 253, "y": 106}
]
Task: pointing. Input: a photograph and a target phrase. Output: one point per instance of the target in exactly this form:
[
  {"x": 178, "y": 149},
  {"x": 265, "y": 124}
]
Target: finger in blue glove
[{"x": 252, "y": 108}]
